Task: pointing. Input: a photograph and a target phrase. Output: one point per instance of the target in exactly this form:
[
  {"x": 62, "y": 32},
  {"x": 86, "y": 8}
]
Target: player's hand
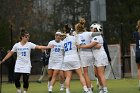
[
  {"x": 1, "y": 62},
  {"x": 78, "y": 46},
  {"x": 98, "y": 46},
  {"x": 50, "y": 46}
]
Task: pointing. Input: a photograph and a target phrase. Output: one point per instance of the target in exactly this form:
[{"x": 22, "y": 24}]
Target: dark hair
[
  {"x": 23, "y": 32},
  {"x": 67, "y": 28}
]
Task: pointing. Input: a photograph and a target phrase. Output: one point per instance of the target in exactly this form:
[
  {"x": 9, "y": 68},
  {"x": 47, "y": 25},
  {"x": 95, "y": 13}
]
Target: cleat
[
  {"x": 38, "y": 81},
  {"x": 101, "y": 91},
  {"x": 92, "y": 88},
  {"x": 61, "y": 89},
  {"x": 86, "y": 92}
]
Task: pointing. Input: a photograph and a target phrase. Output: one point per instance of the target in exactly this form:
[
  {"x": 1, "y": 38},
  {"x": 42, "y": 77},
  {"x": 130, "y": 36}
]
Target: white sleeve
[
  {"x": 96, "y": 34},
  {"x": 62, "y": 45},
  {"x": 90, "y": 34},
  {"x": 14, "y": 49},
  {"x": 50, "y": 43},
  {"x": 78, "y": 40},
  {"x": 95, "y": 39},
  {"x": 32, "y": 45}
]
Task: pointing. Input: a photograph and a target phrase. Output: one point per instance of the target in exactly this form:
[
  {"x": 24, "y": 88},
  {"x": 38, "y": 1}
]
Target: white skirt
[
  {"x": 55, "y": 63},
  {"x": 100, "y": 59},
  {"x": 71, "y": 62},
  {"x": 22, "y": 69},
  {"x": 86, "y": 58},
  {"x": 71, "y": 65}
]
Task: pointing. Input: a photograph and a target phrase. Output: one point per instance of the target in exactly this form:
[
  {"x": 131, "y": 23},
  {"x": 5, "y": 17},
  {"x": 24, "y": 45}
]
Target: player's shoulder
[
  {"x": 97, "y": 37},
  {"x": 16, "y": 44},
  {"x": 61, "y": 41},
  {"x": 87, "y": 33},
  {"x": 30, "y": 43},
  {"x": 135, "y": 33},
  {"x": 52, "y": 41}
]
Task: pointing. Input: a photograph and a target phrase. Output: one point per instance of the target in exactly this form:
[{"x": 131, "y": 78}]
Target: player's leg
[
  {"x": 98, "y": 82},
  {"x": 54, "y": 76},
  {"x": 67, "y": 81},
  {"x": 50, "y": 73},
  {"x": 87, "y": 78},
  {"x": 42, "y": 74},
  {"x": 17, "y": 82},
  {"x": 25, "y": 82},
  {"x": 62, "y": 79},
  {"x": 138, "y": 65},
  {"x": 101, "y": 77},
  {"x": 82, "y": 80}
]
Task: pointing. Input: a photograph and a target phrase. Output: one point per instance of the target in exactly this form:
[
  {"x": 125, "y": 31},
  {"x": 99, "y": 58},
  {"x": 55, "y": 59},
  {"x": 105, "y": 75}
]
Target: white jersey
[
  {"x": 71, "y": 58},
  {"x": 70, "y": 45},
  {"x": 99, "y": 54},
  {"x": 56, "y": 55},
  {"x": 86, "y": 55},
  {"x": 84, "y": 39},
  {"x": 23, "y": 62}
]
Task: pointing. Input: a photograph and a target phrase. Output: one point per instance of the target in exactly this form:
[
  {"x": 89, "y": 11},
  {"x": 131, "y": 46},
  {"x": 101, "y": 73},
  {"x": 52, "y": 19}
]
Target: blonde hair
[
  {"x": 80, "y": 27},
  {"x": 138, "y": 24}
]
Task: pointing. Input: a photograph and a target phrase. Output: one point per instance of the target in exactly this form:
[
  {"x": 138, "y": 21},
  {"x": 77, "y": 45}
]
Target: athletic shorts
[
  {"x": 101, "y": 62},
  {"x": 100, "y": 59},
  {"x": 53, "y": 65},
  {"x": 86, "y": 58},
  {"x": 71, "y": 62},
  {"x": 71, "y": 65}
]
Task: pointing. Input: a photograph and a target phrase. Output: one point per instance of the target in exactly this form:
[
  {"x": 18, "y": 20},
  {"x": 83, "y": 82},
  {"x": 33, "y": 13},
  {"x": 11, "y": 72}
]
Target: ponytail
[{"x": 80, "y": 27}]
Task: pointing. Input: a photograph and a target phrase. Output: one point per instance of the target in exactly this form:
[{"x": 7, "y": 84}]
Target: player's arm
[
  {"x": 92, "y": 44},
  {"x": 44, "y": 47},
  {"x": 96, "y": 33},
  {"x": 98, "y": 46},
  {"x": 7, "y": 56}
]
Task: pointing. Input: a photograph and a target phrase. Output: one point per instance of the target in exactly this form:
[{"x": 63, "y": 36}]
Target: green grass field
[{"x": 114, "y": 86}]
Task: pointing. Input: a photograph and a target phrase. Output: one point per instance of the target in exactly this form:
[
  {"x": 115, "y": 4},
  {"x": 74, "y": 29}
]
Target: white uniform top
[
  {"x": 71, "y": 58},
  {"x": 85, "y": 38},
  {"x": 70, "y": 47},
  {"x": 99, "y": 54},
  {"x": 23, "y": 62},
  {"x": 56, "y": 55},
  {"x": 86, "y": 55}
]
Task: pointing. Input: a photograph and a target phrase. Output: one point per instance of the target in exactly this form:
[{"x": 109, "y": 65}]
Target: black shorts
[{"x": 138, "y": 60}]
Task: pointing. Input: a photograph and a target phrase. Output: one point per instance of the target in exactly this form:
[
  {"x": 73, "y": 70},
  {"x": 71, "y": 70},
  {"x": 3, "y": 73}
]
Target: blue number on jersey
[
  {"x": 57, "y": 49},
  {"x": 68, "y": 46},
  {"x": 23, "y": 53}
]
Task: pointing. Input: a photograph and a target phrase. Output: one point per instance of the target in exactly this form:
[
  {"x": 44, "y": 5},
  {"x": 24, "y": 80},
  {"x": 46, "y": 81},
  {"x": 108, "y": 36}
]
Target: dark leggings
[{"x": 25, "y": 80}]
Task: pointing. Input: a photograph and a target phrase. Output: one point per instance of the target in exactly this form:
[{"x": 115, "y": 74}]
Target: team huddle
[{"x": 77, "y": 51}]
